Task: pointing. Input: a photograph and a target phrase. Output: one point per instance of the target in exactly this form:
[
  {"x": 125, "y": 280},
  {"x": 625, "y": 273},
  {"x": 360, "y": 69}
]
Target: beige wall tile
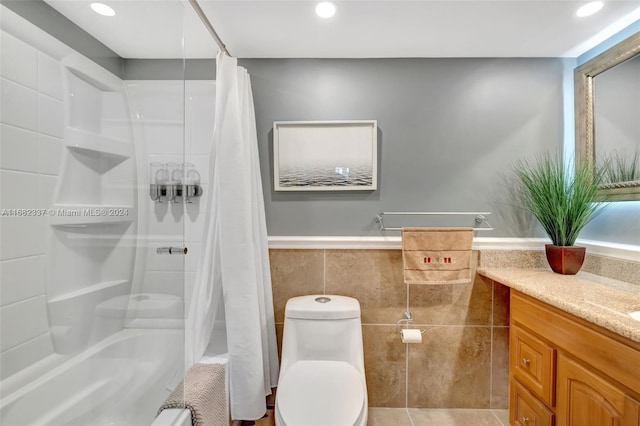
[
  {"x": 500, "y": 304},
  {"x": 475, "y": 261},
  {"x": 271, "y": 399},
  {"x": 432, "y": 417},
  {"x": 500, "y": 368},
  {"x": 374, "y": 277},
  {"x": 295, "y": 273},
  {"x": 451, "y": 304},
  {"x": 279, "y": 331},
  {"x": 384, "y": 360},
  {"x": 388, "y": 417},
  {"x": 451, "y": 368}
]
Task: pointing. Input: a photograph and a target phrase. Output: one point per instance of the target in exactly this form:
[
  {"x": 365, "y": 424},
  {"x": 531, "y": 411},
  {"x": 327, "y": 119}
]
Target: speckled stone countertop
[{"x": 602, "y": 301}]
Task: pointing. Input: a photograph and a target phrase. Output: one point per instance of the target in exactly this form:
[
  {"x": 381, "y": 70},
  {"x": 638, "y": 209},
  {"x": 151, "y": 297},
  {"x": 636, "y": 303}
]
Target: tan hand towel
[
  {"x": 437, "y": 255},
  {"x": 203, "y": 393}
]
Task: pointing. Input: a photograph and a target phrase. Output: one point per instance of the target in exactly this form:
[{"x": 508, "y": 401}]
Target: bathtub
[{"x": 120, "y": 381}]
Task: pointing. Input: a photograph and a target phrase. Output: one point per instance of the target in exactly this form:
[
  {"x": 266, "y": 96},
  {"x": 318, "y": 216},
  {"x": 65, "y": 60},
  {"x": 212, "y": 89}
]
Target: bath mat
[
  {"x": 203, "y": 393},
  {"x": 437, "y": 255}
]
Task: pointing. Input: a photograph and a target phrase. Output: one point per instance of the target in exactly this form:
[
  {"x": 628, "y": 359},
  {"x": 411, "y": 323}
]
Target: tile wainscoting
[{"x": 462, "y": 361}]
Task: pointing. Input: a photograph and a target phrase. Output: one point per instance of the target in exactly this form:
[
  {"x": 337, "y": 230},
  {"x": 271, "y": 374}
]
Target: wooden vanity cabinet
[{"x": 565, "y": 371}]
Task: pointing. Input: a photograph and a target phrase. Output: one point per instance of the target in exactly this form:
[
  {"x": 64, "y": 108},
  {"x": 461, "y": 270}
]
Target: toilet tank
[
  {"x": 322, "y": 306},
  {"x": 322, "y": 327}
]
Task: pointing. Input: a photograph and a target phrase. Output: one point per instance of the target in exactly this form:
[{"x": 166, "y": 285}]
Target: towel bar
[{"x": 480, "y": 217}]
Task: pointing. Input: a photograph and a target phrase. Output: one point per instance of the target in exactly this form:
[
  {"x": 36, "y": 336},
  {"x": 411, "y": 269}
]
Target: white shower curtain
[{"x": 235, "y": 262}]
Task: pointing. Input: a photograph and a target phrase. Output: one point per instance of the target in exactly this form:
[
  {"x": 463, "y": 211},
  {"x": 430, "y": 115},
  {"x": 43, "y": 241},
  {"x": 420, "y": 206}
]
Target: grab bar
[
  {"x": 172, "y": 250},
  {"x": 480, "y": 217}
]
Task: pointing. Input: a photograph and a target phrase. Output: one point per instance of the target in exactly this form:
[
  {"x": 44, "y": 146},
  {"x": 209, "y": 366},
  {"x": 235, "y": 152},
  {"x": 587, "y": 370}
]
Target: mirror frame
[{"x": 584, "y": 114}]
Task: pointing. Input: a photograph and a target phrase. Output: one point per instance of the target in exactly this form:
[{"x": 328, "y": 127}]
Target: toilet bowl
[{"x": 322, "y": 380}]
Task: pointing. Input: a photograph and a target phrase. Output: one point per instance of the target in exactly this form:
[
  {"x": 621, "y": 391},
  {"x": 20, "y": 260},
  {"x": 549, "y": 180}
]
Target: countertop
[{"x": 599, "y": 300}]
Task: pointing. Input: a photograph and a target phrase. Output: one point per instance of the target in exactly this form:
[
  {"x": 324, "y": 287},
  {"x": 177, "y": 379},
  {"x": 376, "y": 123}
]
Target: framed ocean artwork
[{"x": 325, "y": 155}]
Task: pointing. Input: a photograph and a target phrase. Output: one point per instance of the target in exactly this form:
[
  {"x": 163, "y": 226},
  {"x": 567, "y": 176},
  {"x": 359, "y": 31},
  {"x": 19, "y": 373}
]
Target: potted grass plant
[{"x": 561, "y": 199}]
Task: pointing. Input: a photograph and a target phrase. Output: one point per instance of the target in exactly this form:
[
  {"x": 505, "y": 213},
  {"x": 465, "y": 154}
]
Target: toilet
[{"x": 322, "y": 381}]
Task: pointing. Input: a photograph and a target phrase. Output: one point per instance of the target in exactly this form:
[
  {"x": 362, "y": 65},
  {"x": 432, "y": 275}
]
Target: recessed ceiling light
[
  {"x": 589, "y": 8},
  {"x": 326, "y": 9},
  {"x": 102, "y": 9}
]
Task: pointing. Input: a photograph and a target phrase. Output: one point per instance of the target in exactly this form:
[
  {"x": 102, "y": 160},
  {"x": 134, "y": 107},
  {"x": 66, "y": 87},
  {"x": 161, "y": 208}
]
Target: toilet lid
[{"x": 320, "y": 393}]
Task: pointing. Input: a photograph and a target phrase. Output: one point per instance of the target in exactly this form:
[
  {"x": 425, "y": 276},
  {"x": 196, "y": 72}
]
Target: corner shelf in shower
[
  {"x": 91, "y": 289},
  {"x": 93, "y": 144},
  {"x": 78, "y": 216},
  {"x": 92, "y": 73}
]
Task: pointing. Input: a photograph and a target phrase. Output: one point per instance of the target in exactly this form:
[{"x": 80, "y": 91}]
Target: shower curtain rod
[{"x": 208, "y": 25}]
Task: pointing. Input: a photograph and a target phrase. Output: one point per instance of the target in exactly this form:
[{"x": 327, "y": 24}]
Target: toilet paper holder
[{"x": 405, "y": 321}]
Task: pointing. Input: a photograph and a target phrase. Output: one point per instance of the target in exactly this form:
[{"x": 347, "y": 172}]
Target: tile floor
[{"x": 424, "y": 417}]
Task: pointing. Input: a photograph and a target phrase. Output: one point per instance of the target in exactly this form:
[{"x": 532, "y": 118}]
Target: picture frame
[{"x": 325, "y": 155}]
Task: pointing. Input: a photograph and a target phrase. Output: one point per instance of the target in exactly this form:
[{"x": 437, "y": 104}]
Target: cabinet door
[{"x": 585, "y": 399}]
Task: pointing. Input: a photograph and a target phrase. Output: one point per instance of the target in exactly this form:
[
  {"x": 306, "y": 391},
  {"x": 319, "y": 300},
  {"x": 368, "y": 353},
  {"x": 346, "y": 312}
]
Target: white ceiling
[{"x": 360, "y": 28}]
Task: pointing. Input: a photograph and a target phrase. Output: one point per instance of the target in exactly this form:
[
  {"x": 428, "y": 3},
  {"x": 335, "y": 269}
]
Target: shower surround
[
  {"x": 68, "y": 174},
  {"x": 92, "y": 319}
]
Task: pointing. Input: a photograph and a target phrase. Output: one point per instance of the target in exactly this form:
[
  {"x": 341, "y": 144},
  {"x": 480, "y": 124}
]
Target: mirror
[{"x": 607, "y": 102}]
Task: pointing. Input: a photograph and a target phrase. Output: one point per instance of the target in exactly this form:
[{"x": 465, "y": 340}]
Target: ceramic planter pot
[{"x": 565, "y": 260}]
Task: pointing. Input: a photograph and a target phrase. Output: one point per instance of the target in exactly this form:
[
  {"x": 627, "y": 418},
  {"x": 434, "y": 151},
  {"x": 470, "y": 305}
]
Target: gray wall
[
  {"x": 449, "y": 129},
  {"x": 169, "y": 69}
]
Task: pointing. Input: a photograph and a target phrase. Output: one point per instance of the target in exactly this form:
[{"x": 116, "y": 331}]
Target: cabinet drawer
[
  {"x": 533, "y": 362},
  {"x": 527, "y": 410}
]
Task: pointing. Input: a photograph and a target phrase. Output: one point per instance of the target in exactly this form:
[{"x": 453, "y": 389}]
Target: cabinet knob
[
  {"x": 525, "y": 361},
  {"x": 524, "y": 419}
]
